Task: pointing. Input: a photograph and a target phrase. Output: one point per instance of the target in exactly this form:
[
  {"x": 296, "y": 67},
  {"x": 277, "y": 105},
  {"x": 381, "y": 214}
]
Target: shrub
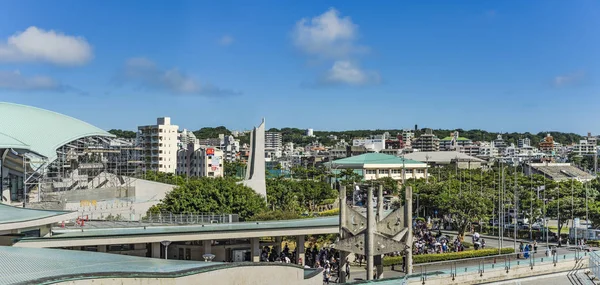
[
  {"x": 423, "y": 258},
  {"x": 593, "y": 242},
  {"x": 332, "y": 212}
]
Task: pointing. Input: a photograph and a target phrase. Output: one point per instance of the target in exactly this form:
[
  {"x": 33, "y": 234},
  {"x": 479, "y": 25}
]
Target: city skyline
[{"x": 506, "y": 66}]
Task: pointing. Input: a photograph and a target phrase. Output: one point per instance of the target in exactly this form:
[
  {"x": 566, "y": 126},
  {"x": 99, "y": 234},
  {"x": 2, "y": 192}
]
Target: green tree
[
  {"x": 123, "y": 133},
  {"x": 212, "y": 195},
  {"x": 233, "y": 168},
  {"x": 349, "y": 177}
]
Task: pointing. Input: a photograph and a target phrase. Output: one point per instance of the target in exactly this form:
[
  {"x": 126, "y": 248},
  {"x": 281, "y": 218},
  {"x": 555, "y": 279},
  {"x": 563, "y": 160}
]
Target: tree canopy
[
  {"x": 123, "y": 133},
  {"x": 212, "y": 195}
]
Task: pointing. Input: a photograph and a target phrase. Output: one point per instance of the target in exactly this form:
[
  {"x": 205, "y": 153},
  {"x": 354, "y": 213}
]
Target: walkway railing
[
  {"x": 483, "y": 265},
  {"x": 111, "y": 220},
  {"x": 595, "y": 263}
]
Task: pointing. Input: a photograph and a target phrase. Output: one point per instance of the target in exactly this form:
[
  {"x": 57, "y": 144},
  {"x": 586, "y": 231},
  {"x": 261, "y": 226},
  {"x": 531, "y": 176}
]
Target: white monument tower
[{"x": 255, "y": 170}]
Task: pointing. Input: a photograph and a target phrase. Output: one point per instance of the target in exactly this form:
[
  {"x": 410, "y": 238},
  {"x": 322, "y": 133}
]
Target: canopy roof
[
  {"x": 40, "y": 130},
  {"x": 12, "y": 218}
]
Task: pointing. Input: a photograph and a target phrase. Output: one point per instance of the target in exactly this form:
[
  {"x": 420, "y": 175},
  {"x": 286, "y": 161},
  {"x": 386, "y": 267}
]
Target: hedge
[
  {"x": 332, "y": 212},
  {"x": 423, "y": 258},
  {"x": 593, "y": 242}
]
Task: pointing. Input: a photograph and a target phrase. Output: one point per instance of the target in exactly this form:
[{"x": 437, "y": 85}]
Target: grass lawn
[{"x": 564, "y": 230}]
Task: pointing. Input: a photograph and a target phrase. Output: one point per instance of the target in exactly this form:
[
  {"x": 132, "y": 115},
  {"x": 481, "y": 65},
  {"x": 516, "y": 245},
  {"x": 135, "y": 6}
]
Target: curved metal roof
[
  {"x": 7, "y": 141},
  {"x": 42, "y": 130}
]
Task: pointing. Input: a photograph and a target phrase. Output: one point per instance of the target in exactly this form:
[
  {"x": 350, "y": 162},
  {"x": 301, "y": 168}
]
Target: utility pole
[
  {"x": 516, "y": 209},
  {"x": 573, "y": 213},
  {"x": 545, "y": 212}
]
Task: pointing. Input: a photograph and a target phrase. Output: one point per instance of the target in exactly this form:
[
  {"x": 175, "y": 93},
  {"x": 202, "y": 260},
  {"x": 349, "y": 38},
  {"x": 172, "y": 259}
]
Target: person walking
[
  {"x": 535, "y": 246},
  {"x": 347, "y": 269}
]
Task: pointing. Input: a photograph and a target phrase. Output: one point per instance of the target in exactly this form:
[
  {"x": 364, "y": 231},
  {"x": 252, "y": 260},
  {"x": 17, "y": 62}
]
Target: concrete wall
[
  {"x": 243, "y": 275},
  {"x": 130, "y": 203}
]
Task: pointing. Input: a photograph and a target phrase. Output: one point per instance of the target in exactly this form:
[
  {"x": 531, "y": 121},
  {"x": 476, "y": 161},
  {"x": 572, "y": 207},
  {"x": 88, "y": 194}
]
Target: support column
[
  {"x": 278, "y": 245},
  {"x": 370, "y": 233},
  {"x": 414, "y": 173},
  {"x": 101, "y": 248},
  {"x": 207, "y": 246},
  {"x": 380, "y": 203},
  {"x": 343, "y": 254},
  {"x": 255, "y": 243},
  {"x": 300, "y": 258},
  {"x": 378, "y": 260},
  {"x": 409, "y": 235},
  {"x": 155, "y": 250},
  {"x": 426, "y": 175}
]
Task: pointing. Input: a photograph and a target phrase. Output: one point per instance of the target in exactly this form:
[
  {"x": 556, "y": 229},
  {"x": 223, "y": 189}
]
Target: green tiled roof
[
  {"x": 10, "y": 214},
  {"x": 374, "y": 158},
  {"x": 42, "y": 130}
]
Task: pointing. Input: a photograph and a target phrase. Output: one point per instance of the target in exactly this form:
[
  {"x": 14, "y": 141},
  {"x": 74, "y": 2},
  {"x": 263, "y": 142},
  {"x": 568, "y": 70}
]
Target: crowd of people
[{"x": 428, "y": 241}]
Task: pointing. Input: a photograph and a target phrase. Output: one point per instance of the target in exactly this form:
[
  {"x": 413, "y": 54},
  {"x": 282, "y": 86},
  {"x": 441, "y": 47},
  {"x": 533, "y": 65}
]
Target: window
[
  {"x": 371, "y": 171},
  {"x": 396, "y": 171},
  {"x": 383, "y": 171}
]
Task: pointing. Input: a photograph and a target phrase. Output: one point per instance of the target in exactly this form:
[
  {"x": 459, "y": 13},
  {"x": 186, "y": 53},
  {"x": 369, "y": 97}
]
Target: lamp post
[{"x": 166, "y": 244}]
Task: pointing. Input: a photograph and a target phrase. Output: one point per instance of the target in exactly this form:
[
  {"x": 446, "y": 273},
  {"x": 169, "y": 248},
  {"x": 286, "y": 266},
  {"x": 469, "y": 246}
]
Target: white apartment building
[
  {"x": 487, "y": 150},
  {"x": 407, "y": 137},
  {"x": 273, "y": 140},
  {"x": 230, "y": 147},
  {"x": 200, "y": 161},
  {"x": 187, "y": 137},
  {"x": 584, "y": 147},
  {"x": 159, "y": 143}
]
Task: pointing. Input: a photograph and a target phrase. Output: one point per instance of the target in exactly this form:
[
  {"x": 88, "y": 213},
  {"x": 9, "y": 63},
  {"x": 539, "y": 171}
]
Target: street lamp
[{"x": 166, "y": 244}]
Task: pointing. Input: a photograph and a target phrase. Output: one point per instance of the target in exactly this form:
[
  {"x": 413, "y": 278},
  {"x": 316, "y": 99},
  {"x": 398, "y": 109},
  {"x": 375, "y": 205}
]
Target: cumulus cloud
[
  {"x": 332, "y": 38},
  {"x": 328, "y": 35},
  {"x": 346, "y": 72},
  {"x": 14, "y": 80},
  {"x": 146, "y": 74},
  {"x": 568, "y": 79},
  {"x": 226, "y": 40},
  {"x": 35, "y": 44}
]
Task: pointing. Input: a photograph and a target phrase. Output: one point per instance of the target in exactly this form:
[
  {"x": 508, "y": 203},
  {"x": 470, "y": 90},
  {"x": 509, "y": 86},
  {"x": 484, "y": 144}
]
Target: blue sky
[{"x": 495, "y": 65}]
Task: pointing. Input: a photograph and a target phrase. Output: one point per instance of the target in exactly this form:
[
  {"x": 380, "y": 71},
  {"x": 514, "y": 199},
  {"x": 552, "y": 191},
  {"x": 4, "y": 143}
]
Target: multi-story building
[
  {"x": 587, "y": 146},
  {"x": 472, "y": 150},
  {"x": 159, "y": 143},
  {"x": 427, "y": 142},
  {"x": 487, "y": 150},
  {"x": 407, "y": 137},
  {"x": 523, "y": 142},
  {"x": 200, "y": 161},
  {"x": 454, "y": 142},
  {"x": 499, "y": 143},
  {"x": 187, "y": 137},
  {"x": 547, "y": 145},
  {"x": 230, "y": 147},
  {"x": 273, "y": 140}
]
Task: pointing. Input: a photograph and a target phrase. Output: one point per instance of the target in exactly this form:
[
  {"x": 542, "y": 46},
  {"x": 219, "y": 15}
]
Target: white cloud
[
  {"x": 146, "y": 74},
  {"x": 567, "y": 79},
  {"x": 328, "y": 35},
  {"x": 14, "y": 80},
  {"x": 332, "y": 39},
  {"x": 346, "y": 72},
  {"x": 226, "y": 40},
  {"x": 35, "y": 44}
]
